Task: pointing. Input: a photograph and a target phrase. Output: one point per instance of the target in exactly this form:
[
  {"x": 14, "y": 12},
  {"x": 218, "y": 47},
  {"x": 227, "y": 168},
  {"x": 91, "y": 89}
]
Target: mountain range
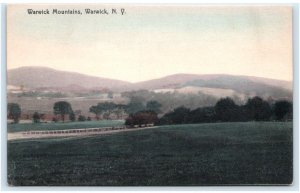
[{"x": 47, "y": 78}]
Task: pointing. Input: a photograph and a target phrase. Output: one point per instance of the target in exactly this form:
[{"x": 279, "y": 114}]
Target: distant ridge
[
  {"x": 42, "y": 77},
  {"x": 37, "y": 77},
  {"x": 182, "y": 78}
]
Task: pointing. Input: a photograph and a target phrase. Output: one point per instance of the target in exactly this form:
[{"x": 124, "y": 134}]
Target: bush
[
  {"x": 142, "y": 118},
  {"x": 36, "y": 117},
  {"x": 81, "y": 118},
  {"x": 54, "y": 119}
]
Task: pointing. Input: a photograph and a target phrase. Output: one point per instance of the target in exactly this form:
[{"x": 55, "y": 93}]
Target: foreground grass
[
  {"x": 62, "y": 126},
  {"x": 200, "y": 154}
]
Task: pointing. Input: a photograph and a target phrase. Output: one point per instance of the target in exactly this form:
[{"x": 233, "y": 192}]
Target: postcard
[{"x": 149, "y": 95}]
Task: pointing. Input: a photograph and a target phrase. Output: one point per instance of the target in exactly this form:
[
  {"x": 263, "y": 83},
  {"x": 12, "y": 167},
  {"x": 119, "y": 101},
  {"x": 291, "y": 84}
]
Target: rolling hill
[
  {"x": 45, "y": 78},
  {"x": 42, "y": 77}
]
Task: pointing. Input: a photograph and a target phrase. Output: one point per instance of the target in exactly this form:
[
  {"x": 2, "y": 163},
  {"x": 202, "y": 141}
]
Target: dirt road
[{"x": 70, "y": 132}]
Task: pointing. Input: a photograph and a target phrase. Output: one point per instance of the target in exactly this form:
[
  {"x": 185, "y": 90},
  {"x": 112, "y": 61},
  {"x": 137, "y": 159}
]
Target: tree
[
  {"x": 62, "y": 108},
  {"x": 226, "y": 110},
  {"x": 119, "y": 111},
  {"x": 283, "y": 110},
  {"x": 202, "y": 115},
  {"x": 88, "y": 119},
  {"x": 153, "y": 106},
  {"x": 14, "y": 111},
  {"x": 36, "y": 117},
  {"x": 105, "y": 108},
  {"x": 177, "y": 116},
  {"x": 257, "y": 109},
  {"x": 72, "y": 116},
  {"x": 134, "y": 106},
  {"x": 81, "y": 118},
  {"x": 142, "y": 118},
  {"x": 96, "y": 110}
]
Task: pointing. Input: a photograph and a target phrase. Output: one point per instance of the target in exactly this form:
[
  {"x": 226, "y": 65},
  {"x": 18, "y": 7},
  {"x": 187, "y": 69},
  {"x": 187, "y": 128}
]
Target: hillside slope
[{"x": 41, "y": 77}]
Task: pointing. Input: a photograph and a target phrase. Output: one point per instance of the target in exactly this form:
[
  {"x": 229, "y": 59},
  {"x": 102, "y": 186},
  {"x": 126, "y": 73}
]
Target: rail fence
[
  {"x": 74, "y": 130},
  {"x": 87, "y": 130}
]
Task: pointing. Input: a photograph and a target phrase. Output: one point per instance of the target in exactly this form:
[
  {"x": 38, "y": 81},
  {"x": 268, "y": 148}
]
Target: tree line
[
  {"x": 225, "y": 110},
  {"x": 104, "y": 110},
  {"x": 139, "y": 113}
]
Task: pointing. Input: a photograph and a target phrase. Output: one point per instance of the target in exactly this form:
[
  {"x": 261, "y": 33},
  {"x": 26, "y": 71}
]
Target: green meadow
[
  {"x": 174, "y": 155},
  {"x": 63, "y": 126}
]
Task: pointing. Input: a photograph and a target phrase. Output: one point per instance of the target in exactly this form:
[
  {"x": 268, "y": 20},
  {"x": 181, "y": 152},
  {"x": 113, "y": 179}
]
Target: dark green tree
[
  {"x": 134, "y": 106},
  {"x": 105, "y": 108},
  {"x": 257, "y": 109},
  {"x": 96, "y": 110},
  {"x": 153, "y": 106},
  {"x": 36, "y": 117},
  {"x": 177, "y": 116},
  {"x": 119, "y": 110},
  {"x": 202, "y": 115},
  {"x": 14, "y": 111},
  {"x": 283, "y": 110},
  {"x": 81, "y": 118},
  {"x": 62, "y": 108},
  {"x": 226, "y": 110}
]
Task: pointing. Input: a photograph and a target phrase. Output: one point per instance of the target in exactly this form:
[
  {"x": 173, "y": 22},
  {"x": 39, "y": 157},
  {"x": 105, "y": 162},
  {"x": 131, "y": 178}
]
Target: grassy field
[
  {"x": 199, "y": 154},
  {"x": 61, "y": 126}
]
